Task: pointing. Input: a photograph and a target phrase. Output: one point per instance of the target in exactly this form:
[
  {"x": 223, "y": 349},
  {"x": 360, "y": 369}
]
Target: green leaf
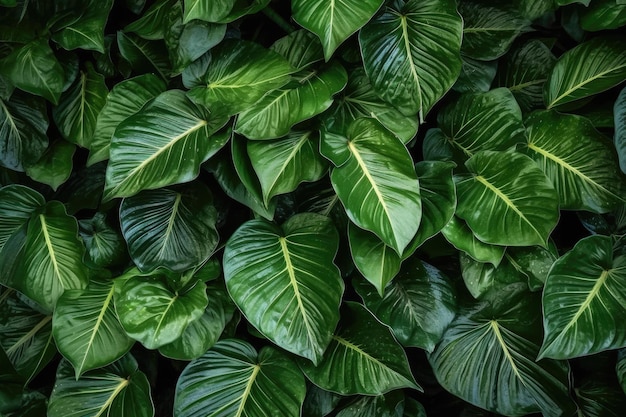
[
  {"x": 604, "y": 67},
  {"x": 619, "y": 111},
  {"x": 580, "y": 162},
  {"x": 154, "y": 22},
  {"x": 125, "y": 99},
  {"x": 507, "y": 200},
  {"x": 600, "y": 398},
  {"x": 239, "y": 74},
  {"x": 301, "y": 48},
  {"x": 243, "y": 8},
  {"x": 318, "y": 402},
  {"x": 119, "y": 389},
  {"x": 155, "y": 314},
  {"x": 23, "y": 126},
  {"x": 476, "y": 76},
  {"x": 105, "y": 245},
  {"x": 488, "y": 32},
  {"x": 17, "y": 204},
  {"x": 494, "y": 341},
  {"x": 484, "y": 279},
  {"x": 55, "y": 165},
  {"x": 282, "y": 164},
  {"x": 584, "y": 300},
  {"x": 86, "y": 30},
  {"x": 620, "y": 368},
  {"x": 603, "y": 15},
  {"x": 144, "y": 55},
  {"x": 163, "y": 144},
  {"x": 86, "y": 329},
  {"x": 388, "y": 405},
  {"x": 458, "y": 233},
  {"x": 333, "y": 22},
  {"x": 232, "y": 379},
  {"x": 25, "y": 336},
  {"x": 24, "y": 69},
  {"x": 207, "y": 10},
  {"x": 378, "y": 184},
  {"x": 294, "y": 299},
  {"x": 76, "y": 114},
  {"x": 411, "y": 53},
  {"x": 160, "y": 226},
  {"x": 418, "y": 304},
  {"x": 363, "y": 358},
  {"x": 278, "y": 111}
]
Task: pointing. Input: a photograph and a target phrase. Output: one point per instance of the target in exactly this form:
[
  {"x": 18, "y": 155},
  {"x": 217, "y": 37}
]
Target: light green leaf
[
  {"x": 240, "y": 73},
  {"x": 125, "y": 99},
  {"x": 23, "y": 126},
  {"x": 580, "y": 162},
  {"x": 105, "y": 245},
  {"x": 119, "y": 389},
  {"x": 603, "y": 15},
  {"x": 155, "y": 314},
  {"x": 619, "y": 111},
  {"x": 163, "y": 144},
  {"x": 418, "y": 304},
  {"x": 55, "y": 165},
  {"x": 333, "y": 21},
  {"x": 377, "y": 184},
  {"x": 17, "y": 204},
  {"x": 86, "y": 27},
  {"x": 144, "y": 55},
  {"x": 411, "y": 53},
  {"x": 86, "y": 329},
  {"x": 604, "y": 67},
  {"x": 363, "y": 358},
  {"x": 584, "y": 301},
  {"x": 232, "y": 379},
  {"x": 243, "y": 8},
  {"x": 170, "y": 228},
  {"x": 207, "y": 10},
  {"x": 76, "y": 114},
  {"x": 282, "y": 164},
  {"x": 507, "y": 200},
  {"x": 294, "y": 299},
  {"x": 154, "y": 22},
  {"x": 458, "y": 233}
]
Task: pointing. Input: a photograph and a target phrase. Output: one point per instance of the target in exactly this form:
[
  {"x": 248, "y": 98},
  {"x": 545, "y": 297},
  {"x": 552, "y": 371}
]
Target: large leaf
[
  {"x": 282, "y": 164},
  {"x": 86, "y": 329},
  {"x": 418, "y": 304},
  {"x": 301, "y": 48},
  {"x": 333, "y": 21},
  {"x": 154, "y": 21},
  {"x": 600, "y": 398},
  {"x": 411, "y": 53},
  {"x": 604, "y": 66},
  {"x": 17, "y": 205},
  {"x": 162, "y": 144},
  {"x": 232, "y": 379},
  {"x": 507, "y": 200},
  {"x": 294, "y": 299},
  {"x": 603, "y": 14},
  {"x": 160, "y": 225},
  {"x": 119, "y": 389},
  {"x": 55, "y": 165},
  {"x": 388, "y": 405},
  {"x": 144, "y": 55},
  {"x": 85, "y": 29},
  {"x": 240, "y": 73},
  {"x": 458, "y": 233},
  {"x": 125, "y": 99},
  {"x": 363, "y": 358},
  {"x": 377, "y": 183},
  {"x": 580, "y": 162},
  {"x": 154, "y": 313},
  {"x": 76, "y": 114},
  {"x": 23, "y": 126},
  {"x": 487, "y": 358},
  {"x": 207, "y": 10},
  {"x": 619, "y": 111},
  {"x": 584, "y": 301}
]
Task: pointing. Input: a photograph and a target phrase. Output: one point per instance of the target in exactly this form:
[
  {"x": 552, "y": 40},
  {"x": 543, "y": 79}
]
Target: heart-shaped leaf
[
  {"x": 413, "y": 47},
  {"x": 232, "y": 379},
  {"x": 159, "y": 225},
  {"x": 163, "y": 144},
  {"x": 580, "y": 162},
  {"x": 294, "y": 300},
  {"x": 507, "y": 200},
  {"x": 17, "y": 205},
  {"x": 584, "y": 300},
  {"x": 86, "y": 329}
]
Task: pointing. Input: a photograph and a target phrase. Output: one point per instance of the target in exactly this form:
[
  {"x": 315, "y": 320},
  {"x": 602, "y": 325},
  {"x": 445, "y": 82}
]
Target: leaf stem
[{"x": 278, "y": 19}]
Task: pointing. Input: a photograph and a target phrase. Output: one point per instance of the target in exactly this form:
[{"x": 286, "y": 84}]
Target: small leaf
[
  {"x": 144, "y": 55},
  {"x": 55, "y": 165},
  {"x": 484, "y": 279},
  {"x": 621, "y": 368},
  {"x": 86, "y": 29},
  {"x": 105, "y": 245},
  {"x": 458, "y": 233},
  {"x": 619, "y": 111},
  {"x": 207, "y": 10},
  {"x": 476, "y": 76},
  {"x": 17, "y": 204},
  {"x": 301, "y": 48}
]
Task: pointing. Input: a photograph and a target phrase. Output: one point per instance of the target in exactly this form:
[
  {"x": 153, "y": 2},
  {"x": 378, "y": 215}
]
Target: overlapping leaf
[
  {"x": 458, "y": 233},
  {"x": 619, "y": 111},
  {"x": 105, "y": 244},
  {"x": 207, "y": 10},
  {"x": 55, "y": 165},
  {"x": 17, "y": 204},
  {"x": 84, "y": 27},
  {"x": 144, "y": 55}
]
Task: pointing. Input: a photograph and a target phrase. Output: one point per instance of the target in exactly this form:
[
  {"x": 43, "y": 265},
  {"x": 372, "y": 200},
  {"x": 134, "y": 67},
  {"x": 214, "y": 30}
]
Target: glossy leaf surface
[
  {"x": 55, "y": 165},
  {"x": 105, "y": 244},
  {"x": 458, "y": 233},
  {"x": 17, "y": 204},
  {"x": 86, "y": 28},
  {"x": 619, "y": 112}
]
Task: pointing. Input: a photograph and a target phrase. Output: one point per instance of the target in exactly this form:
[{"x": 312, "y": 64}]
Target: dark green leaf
[
  {"x": 387, "y": 405},
  {"x": 301, "y": 48},
  {"x": 207, "y": 10},
  {"x": 458, "y": 233},
  {"x": 154, "y": 22},
  {"x": 105, "y": 245},
  {"x": 55, "y": 165},
  {"x": 484, "y": 279},
  {"x": 600, "y": 399},
  {"x": 17, "y": 204},
  {"x": 619, "y": 111},
  {"x": 603, "y": 15},
  {"x": 86, "y": 28},
  {"x": 144, "y": 55},
  {"x": 476, "y": 76}
]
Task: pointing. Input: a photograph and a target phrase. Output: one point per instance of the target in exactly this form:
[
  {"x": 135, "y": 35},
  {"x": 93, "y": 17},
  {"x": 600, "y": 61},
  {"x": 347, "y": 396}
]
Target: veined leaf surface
[
  {"x": 458, "y": 233},
  {"x": 619, "y": 115},
  {"x": 17, "y": 204}
]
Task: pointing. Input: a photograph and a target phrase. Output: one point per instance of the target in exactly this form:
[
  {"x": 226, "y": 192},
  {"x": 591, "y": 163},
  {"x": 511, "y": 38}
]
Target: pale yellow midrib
[
  {"x": 46, "y": 236},
  {"x": 96, "y": 326},
  {"x": 170, "y": 224},
  {"x": 246, "y": 393},
  {"x": 28, "y": 335},
  {"x": 122, "y": 385},
  {"x": 407, "y": 47},
  {"x": 293, "y": 152},
  {"x": 496, "y": 330}
]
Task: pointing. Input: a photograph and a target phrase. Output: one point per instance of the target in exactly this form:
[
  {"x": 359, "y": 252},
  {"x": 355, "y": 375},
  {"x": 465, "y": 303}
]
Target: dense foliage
[{"x": 320, "y": 208}]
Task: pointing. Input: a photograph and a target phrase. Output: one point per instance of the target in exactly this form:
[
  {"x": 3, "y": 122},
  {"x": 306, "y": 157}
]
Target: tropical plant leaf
[
  {"x": 144, "y": 55},
  {"x": 240, "y": 73},
  {"x": 55, "y": 165},
  {"x": 17, "y": 204},
  {"x": 154, "y": 313},
  {"x": 377, "y": 184},
  {"x": 605, "y": 67},
  {"x": 387, "y": 405},
  {"x": 233, "y": 379},
  {"x": 507, "y": 200},
  {"x": 620, "y": 368},
  {"x": 319, "y": 402},
  {"x": 603, "y": 15},
  {"x": 153, "y": 22},
  {"x": 494, "y": 339},
  {"x": 619, "y": 111},
  {"x": 105, "y": 244},
  {"x": 583, "y": 168},
  {"x": 86, "y": 28},
  {"x": 148, "y": 148},
  {"x": 119, "y": 389},
  {"x": 159, "y": 225},
  {"x": 422, "y": 39},
  {"x": 418, "y": 304},
  {"x": 207, "y": 10},
  {"x": 484, "y": 279},
  {"x": 294, "y": 300},
  {"x": 476, "y": 76},
  {"x": 459, "y": 235},
  {"x": 86, "y": 329},
  {"x": 243, "y": 8},
  {"x": 584, "y": 299},
  {"x": 600, "y": 398},
  {"x": 124, "y": 100},
  {"x": 23, "y": 126},
  {"x": 363, "y": 358},
  {"x": 333, "y": 22},
  {"x": 301, "y": 48}
]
